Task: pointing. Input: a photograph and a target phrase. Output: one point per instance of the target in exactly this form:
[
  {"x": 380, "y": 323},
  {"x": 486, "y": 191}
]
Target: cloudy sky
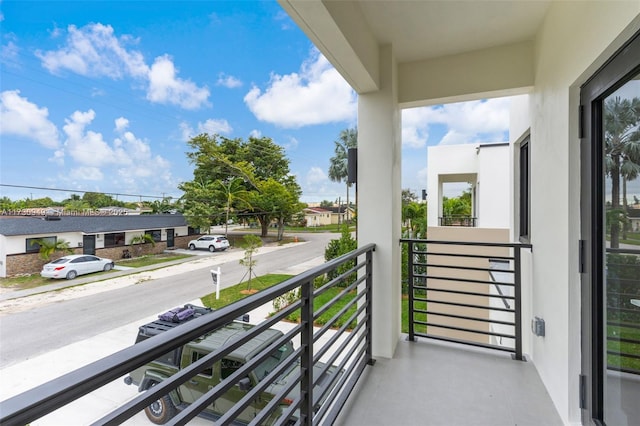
[{"x": 102, "y": 96}]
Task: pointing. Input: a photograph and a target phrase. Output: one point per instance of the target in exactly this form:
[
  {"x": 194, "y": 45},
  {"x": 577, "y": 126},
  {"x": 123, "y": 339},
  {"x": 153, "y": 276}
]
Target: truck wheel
[{"x": 160, "y": 411}]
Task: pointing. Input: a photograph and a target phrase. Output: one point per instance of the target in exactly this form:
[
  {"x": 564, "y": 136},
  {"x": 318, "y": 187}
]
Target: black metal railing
[
  {"x": 457, "y": 220},
  {"x": 346, "y": 348},
  {"x": 453, "y": 293},
  {"x": 623, "y": 309}
]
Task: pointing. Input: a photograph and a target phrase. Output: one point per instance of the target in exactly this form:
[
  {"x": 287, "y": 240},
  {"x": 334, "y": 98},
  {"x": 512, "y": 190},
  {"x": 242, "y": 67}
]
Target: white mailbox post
[{"x": 215, "y": 274}]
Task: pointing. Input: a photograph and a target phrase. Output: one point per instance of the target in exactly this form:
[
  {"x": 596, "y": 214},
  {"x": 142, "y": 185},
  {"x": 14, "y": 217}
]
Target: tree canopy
[{"x": 249, "y": 176}]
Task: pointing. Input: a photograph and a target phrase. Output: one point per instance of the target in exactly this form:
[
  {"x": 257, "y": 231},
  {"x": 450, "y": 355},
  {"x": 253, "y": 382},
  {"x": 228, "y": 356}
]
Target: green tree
[
  {"x": 200, "y": 210},
  {"x": 622, "y": 151},
  {"x": 97, "y": 200},
  {"x": 414, "y": 217},
  {"x": 338, "y": 171},
  {"x": 325, "y": 204},
  {"x": 259, "y": 163},
  {"x": 336, "y": 248},
  {"x": 234, "y": 194},
  {"x": 48, "y": 247}
]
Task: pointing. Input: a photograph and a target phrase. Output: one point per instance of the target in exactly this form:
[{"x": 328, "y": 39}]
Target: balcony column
[{"x": 379, "y": 199}]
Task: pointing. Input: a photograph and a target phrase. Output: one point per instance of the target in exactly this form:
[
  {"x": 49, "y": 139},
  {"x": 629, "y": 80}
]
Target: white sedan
[
  {"x": 73, "y": 265},
  {"x": 210, "y": 242}
]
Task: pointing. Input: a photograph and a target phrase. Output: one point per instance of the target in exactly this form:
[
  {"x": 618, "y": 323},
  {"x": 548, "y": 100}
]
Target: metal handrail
[
  {"x": 421, "y": 289},
  {"x": 46, "y": 398}
]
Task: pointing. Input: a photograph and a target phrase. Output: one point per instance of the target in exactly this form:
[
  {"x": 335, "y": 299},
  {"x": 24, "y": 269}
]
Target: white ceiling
[{"x": 423, "y": 29}]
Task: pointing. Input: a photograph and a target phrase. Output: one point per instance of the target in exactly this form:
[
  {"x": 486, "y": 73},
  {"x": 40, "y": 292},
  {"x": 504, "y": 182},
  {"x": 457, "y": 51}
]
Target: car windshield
[{"x": 269, "y": 364}]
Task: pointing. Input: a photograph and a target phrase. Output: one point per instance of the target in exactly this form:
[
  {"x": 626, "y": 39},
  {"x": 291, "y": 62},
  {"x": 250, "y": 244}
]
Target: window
[
  {"x": 114, "y": 239},
  {"x": 33, "y": 245},
  {"x": 524, "y": 185},
  {"x": 198, "y": 355},
  {"x": 193, "y": 231},
  {"x": 228, "y": 367},
  {"x": 156, "y": 234}
]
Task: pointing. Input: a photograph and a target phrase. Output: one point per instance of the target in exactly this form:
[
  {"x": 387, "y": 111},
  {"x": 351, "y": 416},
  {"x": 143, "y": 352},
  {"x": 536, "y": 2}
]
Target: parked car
[
  {"x": 210, "y": 242},
  {"x": 73, "y": 265}
]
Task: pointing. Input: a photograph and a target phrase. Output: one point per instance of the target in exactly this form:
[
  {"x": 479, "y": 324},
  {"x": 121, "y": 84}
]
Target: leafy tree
[
  {"x": 262, "y": 168},
  {"x": 47, "y": 247},
  {"x": 325, "y": 204},
  {"x": 338, "y": 171},
  {"x": 414, "y": 217},
  {"x": 199, "y": 208},
  {"x": 408, "y": 196},
  {"x": 234, "y": 194},
  {"x": 98, "y": 200},
  {"x": 622, "y": 150}
]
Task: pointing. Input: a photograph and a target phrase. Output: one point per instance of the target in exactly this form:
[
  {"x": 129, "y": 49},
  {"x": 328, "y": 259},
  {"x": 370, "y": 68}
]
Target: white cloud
[
  {"x": 121, "y": 124},
  {"x": 210, "y": 126},
  {"x": 292, "y": 144},
  {"x": 166, "y": 88},
  {"x": 86, "y": 173},
  {"x": 467, "y": 122},
  {"x": 22, "y": 118},
  {"x": 9, "y": 53},
  {"x": 316, "y": 175},
  {"x": 255, "y": 133},
  {"x": 228, "y": 81},
  {"x": 316, "y": 95},
  {"x": 94, "y": 50},
  {"x": 86, "y": 147}
]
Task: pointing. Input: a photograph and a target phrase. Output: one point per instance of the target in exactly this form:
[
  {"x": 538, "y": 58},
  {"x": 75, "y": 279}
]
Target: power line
[{"x": 81, "y": 191}]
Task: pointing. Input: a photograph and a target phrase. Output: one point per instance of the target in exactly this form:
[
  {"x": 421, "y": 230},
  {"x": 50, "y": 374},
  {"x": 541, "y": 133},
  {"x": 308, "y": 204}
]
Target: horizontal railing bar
[
  {"x": 461, "y": 280},
  {"x": 466, "y": 330},
  {"x": 623, "y": 340},
  {"x": 324, "y": 308},
  {"x": 622, "y": 250},
  {"x": 470, "y": 293},
  {"x": 623, "y": 370},
  {"x": 340, "y": 332},
  {"x": 464, "y": 305},
  {"x": 473, "y": 256},
  {"x": 467, "y": 243},
  {"x": 624, "y": 354},
  {"x": 420, "y": 311},
  {"x": 623, "y": 324},
  {"x": 466, "y": 342},
  {"x": 467, "y": 268}
]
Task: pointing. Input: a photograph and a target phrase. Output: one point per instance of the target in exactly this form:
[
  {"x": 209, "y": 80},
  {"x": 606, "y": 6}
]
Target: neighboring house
[
  {"x": 339, "y": 214},
  {"x": 633, "y": 215},
  {"x": 487, "y": 170},
  {"x": 317, "y": 216},
  {"x": 105, "y": 236}
]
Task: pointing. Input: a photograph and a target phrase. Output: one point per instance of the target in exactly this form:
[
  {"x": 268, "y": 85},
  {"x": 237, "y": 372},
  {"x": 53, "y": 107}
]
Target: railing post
[
  {"x": 306, "y": 358},
  {"x": 410, "y": 256},
  {"x": 518, "y": 302},
  {"x": 369, "y": 310}
]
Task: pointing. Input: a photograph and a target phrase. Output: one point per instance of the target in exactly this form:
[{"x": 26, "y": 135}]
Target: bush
[{"x": 337, "y": 248}]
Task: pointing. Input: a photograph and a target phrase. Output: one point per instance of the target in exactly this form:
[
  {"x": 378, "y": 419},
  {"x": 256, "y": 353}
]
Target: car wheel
[
  {"x": 108, "y": 267},
  {"x": 192, "y": 247},
  {"x": 212, "y": 249},
  {"x": 71, "y": 275},
  {"x": 160, "y": 411}
]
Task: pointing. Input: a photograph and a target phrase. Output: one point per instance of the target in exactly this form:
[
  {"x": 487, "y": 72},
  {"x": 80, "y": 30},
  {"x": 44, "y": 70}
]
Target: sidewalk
[
  {"x": 205, "y": 258},
  {"x": 33, "y": 372}
]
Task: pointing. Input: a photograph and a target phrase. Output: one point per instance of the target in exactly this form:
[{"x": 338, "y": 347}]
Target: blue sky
[{"x": 102, "y": 96}]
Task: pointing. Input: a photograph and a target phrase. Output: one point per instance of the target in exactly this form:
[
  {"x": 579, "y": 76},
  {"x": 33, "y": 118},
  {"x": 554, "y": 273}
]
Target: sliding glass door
[{"x": 611, "y": 241}]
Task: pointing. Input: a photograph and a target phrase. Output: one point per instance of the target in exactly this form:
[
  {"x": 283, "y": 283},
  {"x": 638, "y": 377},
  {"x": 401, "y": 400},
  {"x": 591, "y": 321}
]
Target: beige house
[{"x": 316, "y": 216}]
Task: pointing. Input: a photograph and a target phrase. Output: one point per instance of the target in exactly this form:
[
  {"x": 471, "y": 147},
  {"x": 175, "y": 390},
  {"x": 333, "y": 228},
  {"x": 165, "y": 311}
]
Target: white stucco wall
[
  {"x": 575, "y": 39},
  {"x": 493, "y": 196},
  {"x": 486, "y": 167}
]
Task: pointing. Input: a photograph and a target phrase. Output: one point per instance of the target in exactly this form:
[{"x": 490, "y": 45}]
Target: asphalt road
[{"x": 49, "y": 326}]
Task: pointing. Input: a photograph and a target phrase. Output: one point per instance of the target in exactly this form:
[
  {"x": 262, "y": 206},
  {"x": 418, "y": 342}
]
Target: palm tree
[
  {"x": 622, "y": 150},
  {"x": 142, "y": 239},
  {"x": 234, "y": 192},
  {"x": 338, "y": 171},
  {"x": 48, "y": 247}
]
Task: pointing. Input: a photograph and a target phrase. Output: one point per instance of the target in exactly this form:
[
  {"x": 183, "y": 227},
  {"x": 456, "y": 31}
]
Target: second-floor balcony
[
  {"x": 460, "y": 361},
  {"x": 457, "y": 220}
]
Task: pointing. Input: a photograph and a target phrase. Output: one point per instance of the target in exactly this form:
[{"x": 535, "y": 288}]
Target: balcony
[
  {"x": 427, "y": 381},
  {"x": 457, "y": 220}
]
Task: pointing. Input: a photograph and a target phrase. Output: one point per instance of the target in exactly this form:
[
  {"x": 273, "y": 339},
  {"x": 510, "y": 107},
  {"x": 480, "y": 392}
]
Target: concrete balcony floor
[{"x": 435, "y": 383}]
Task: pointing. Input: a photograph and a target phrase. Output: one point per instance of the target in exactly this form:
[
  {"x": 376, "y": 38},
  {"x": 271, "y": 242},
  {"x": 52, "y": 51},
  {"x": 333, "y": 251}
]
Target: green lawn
[
  {"x": 325, "y": 297},
  {"x": 153, "y": 259},
  {"x": 624, "y": 347},
  {"x": 233, "y": 294}
]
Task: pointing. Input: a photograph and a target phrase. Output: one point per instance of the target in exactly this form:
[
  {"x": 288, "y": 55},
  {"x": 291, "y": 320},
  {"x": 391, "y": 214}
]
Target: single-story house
[
  {"x": 105, "y": 236},
  {"x": 316, "y": 216},
  {"x": 339, "y": 214}
]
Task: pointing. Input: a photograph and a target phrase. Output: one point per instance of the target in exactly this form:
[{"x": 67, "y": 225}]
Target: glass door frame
[{"x": 622, "y": 66}]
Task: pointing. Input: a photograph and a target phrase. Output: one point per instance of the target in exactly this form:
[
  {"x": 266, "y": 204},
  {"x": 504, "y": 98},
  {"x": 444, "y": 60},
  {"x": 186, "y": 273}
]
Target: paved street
[{"x": 43, "y": 336}]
